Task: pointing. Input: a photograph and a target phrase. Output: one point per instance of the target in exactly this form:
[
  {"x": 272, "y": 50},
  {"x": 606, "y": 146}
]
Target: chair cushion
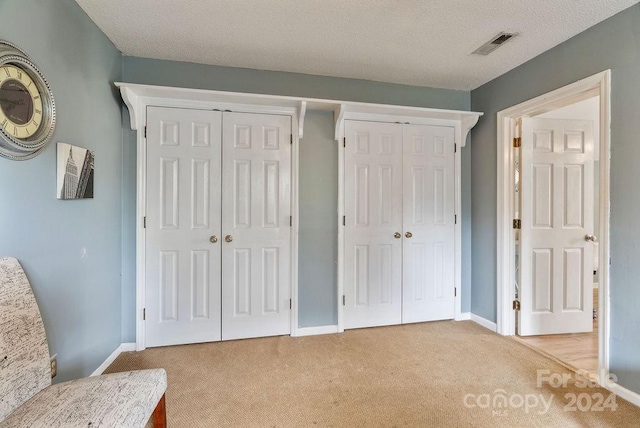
[{"x": 115, "y": 400}]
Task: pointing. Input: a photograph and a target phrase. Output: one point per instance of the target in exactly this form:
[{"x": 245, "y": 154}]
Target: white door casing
[
  {"x": 557, "y": 190},
  {"x": 429, "y": 218},
  {"x": 183, "y": 213},
  {"x": 373, "y": 214},
  {"x": 256, "y": 210}
]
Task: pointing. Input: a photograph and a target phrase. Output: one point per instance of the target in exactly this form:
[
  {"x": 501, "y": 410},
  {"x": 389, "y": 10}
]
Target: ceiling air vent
[{"x": 494, "y": 44}]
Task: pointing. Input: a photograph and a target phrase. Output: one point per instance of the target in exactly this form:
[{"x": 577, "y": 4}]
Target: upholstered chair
[{"x": 27, "y": 397}]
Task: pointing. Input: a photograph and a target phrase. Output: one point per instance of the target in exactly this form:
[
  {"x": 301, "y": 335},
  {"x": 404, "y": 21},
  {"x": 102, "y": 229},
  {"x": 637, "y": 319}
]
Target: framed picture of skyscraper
[{"x": 75, "y": 172}]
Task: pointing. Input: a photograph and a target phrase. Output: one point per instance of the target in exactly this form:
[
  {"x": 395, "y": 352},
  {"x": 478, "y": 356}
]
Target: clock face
[{"x": 20, "y": 103}]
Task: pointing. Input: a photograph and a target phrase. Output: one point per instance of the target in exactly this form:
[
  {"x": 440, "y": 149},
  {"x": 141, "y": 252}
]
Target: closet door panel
[
  {"x": 429, "y": 207},
  {"x": 256, "y": 209},
  {"x": 373, "y": 214},
  {"x": 183, "y": 273}
]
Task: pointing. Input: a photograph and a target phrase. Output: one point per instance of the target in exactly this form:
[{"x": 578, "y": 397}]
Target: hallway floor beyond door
[{"x": 577, "y": 351}]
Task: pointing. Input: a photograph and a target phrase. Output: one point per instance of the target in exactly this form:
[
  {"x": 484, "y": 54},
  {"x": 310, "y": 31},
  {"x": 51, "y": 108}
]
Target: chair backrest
[{"x": 24, "y": 353}]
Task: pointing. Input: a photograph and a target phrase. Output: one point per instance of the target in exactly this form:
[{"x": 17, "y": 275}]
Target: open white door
[
  {"x": 373, "y": 224},
  {"x": 183, "y": 221},
  {"x": 557, "y": 191},
  {"x": 256, "y": 225}
]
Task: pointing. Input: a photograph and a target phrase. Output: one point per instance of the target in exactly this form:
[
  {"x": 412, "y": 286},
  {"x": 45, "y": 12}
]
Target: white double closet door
[
  {"x": 218, "y": 234},
  {"x": 399, "y": 224}
]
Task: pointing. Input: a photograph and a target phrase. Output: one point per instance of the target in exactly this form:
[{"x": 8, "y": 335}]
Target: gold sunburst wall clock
[{"x": 27, "y": 107}]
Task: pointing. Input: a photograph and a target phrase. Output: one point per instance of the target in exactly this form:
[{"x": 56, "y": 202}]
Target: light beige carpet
[{"x": 422, "y": 375}]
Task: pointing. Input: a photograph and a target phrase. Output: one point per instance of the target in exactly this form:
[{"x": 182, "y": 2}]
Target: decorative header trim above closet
[{"x": 138, "y": 97}]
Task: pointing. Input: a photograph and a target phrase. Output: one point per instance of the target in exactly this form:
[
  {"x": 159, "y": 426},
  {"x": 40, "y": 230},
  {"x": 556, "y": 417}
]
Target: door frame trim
[
  {"x": 598, "y": 84},
  {"x": 138, "y": 103},
  {"x": 461, "y": 131}
]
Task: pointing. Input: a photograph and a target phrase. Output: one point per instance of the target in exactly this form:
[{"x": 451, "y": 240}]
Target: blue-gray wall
[
  {"x": 613, "y": 44},
  {"x": 318, "y": 165},
  {"x": 318, "y": 240},
  {"x": 71, "y": 250}
]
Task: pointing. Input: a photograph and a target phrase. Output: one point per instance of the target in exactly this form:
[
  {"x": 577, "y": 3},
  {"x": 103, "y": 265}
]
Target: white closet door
[
  {"x": 256, "y": 209},
  {"x": 557, "y": 227},
  {"x": 183, "y": 213},
  {"x": 373, "y": 209},
  {"x": 429, "y": 224}
]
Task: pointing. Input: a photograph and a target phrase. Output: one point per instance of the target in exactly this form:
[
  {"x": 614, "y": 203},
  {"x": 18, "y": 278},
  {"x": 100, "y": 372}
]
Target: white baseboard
[
  {"x": 622, "y": 392},
  {"x": 314, "y": 331},
  {"x": 128, "y": 347},
  {"x": 464, "y": 316},
  {"x": 484, "y": 322},
  {"x": 123, "y": 347}
]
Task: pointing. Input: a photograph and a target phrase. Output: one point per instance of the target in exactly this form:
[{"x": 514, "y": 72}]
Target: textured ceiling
[{"x": 416, "y": 42}]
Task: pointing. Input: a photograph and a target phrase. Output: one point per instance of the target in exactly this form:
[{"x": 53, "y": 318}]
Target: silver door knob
[
  {"x": 213, "y": 239},
  {"x": 408, "y": 234},
  {"x": 591, "y": 238},
  {"x": 397, "y": 235},
  {"x": 228, "y": 238}
]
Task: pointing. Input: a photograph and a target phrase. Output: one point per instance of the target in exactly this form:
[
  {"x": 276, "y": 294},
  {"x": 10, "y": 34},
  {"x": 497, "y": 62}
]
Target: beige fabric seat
[{"x": 27, "y": 398}]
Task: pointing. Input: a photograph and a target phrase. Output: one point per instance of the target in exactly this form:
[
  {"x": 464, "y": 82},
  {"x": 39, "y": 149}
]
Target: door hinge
[
  {"x": 145, "y": 132},
  {"x": 455, "y": 219},
  {"x": 344, "y": 300},
  {"x": 344, "y": 142},
  {"x": 455, "y": 292},
  {"x": 516, "y": 305},
  {"x": 144, "y": 314},
  {"x": 344, "y": 220},
  {"x": 290, "y": 220},
  {"x": 517, "y": 142},
  {"x": 517, "y": 224},
  {"x": 291, "y": 138},
  {"x": 290, "y": 304},
  {"x": 455, "y": 148},
  {"x": 144, "y": 222}
]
